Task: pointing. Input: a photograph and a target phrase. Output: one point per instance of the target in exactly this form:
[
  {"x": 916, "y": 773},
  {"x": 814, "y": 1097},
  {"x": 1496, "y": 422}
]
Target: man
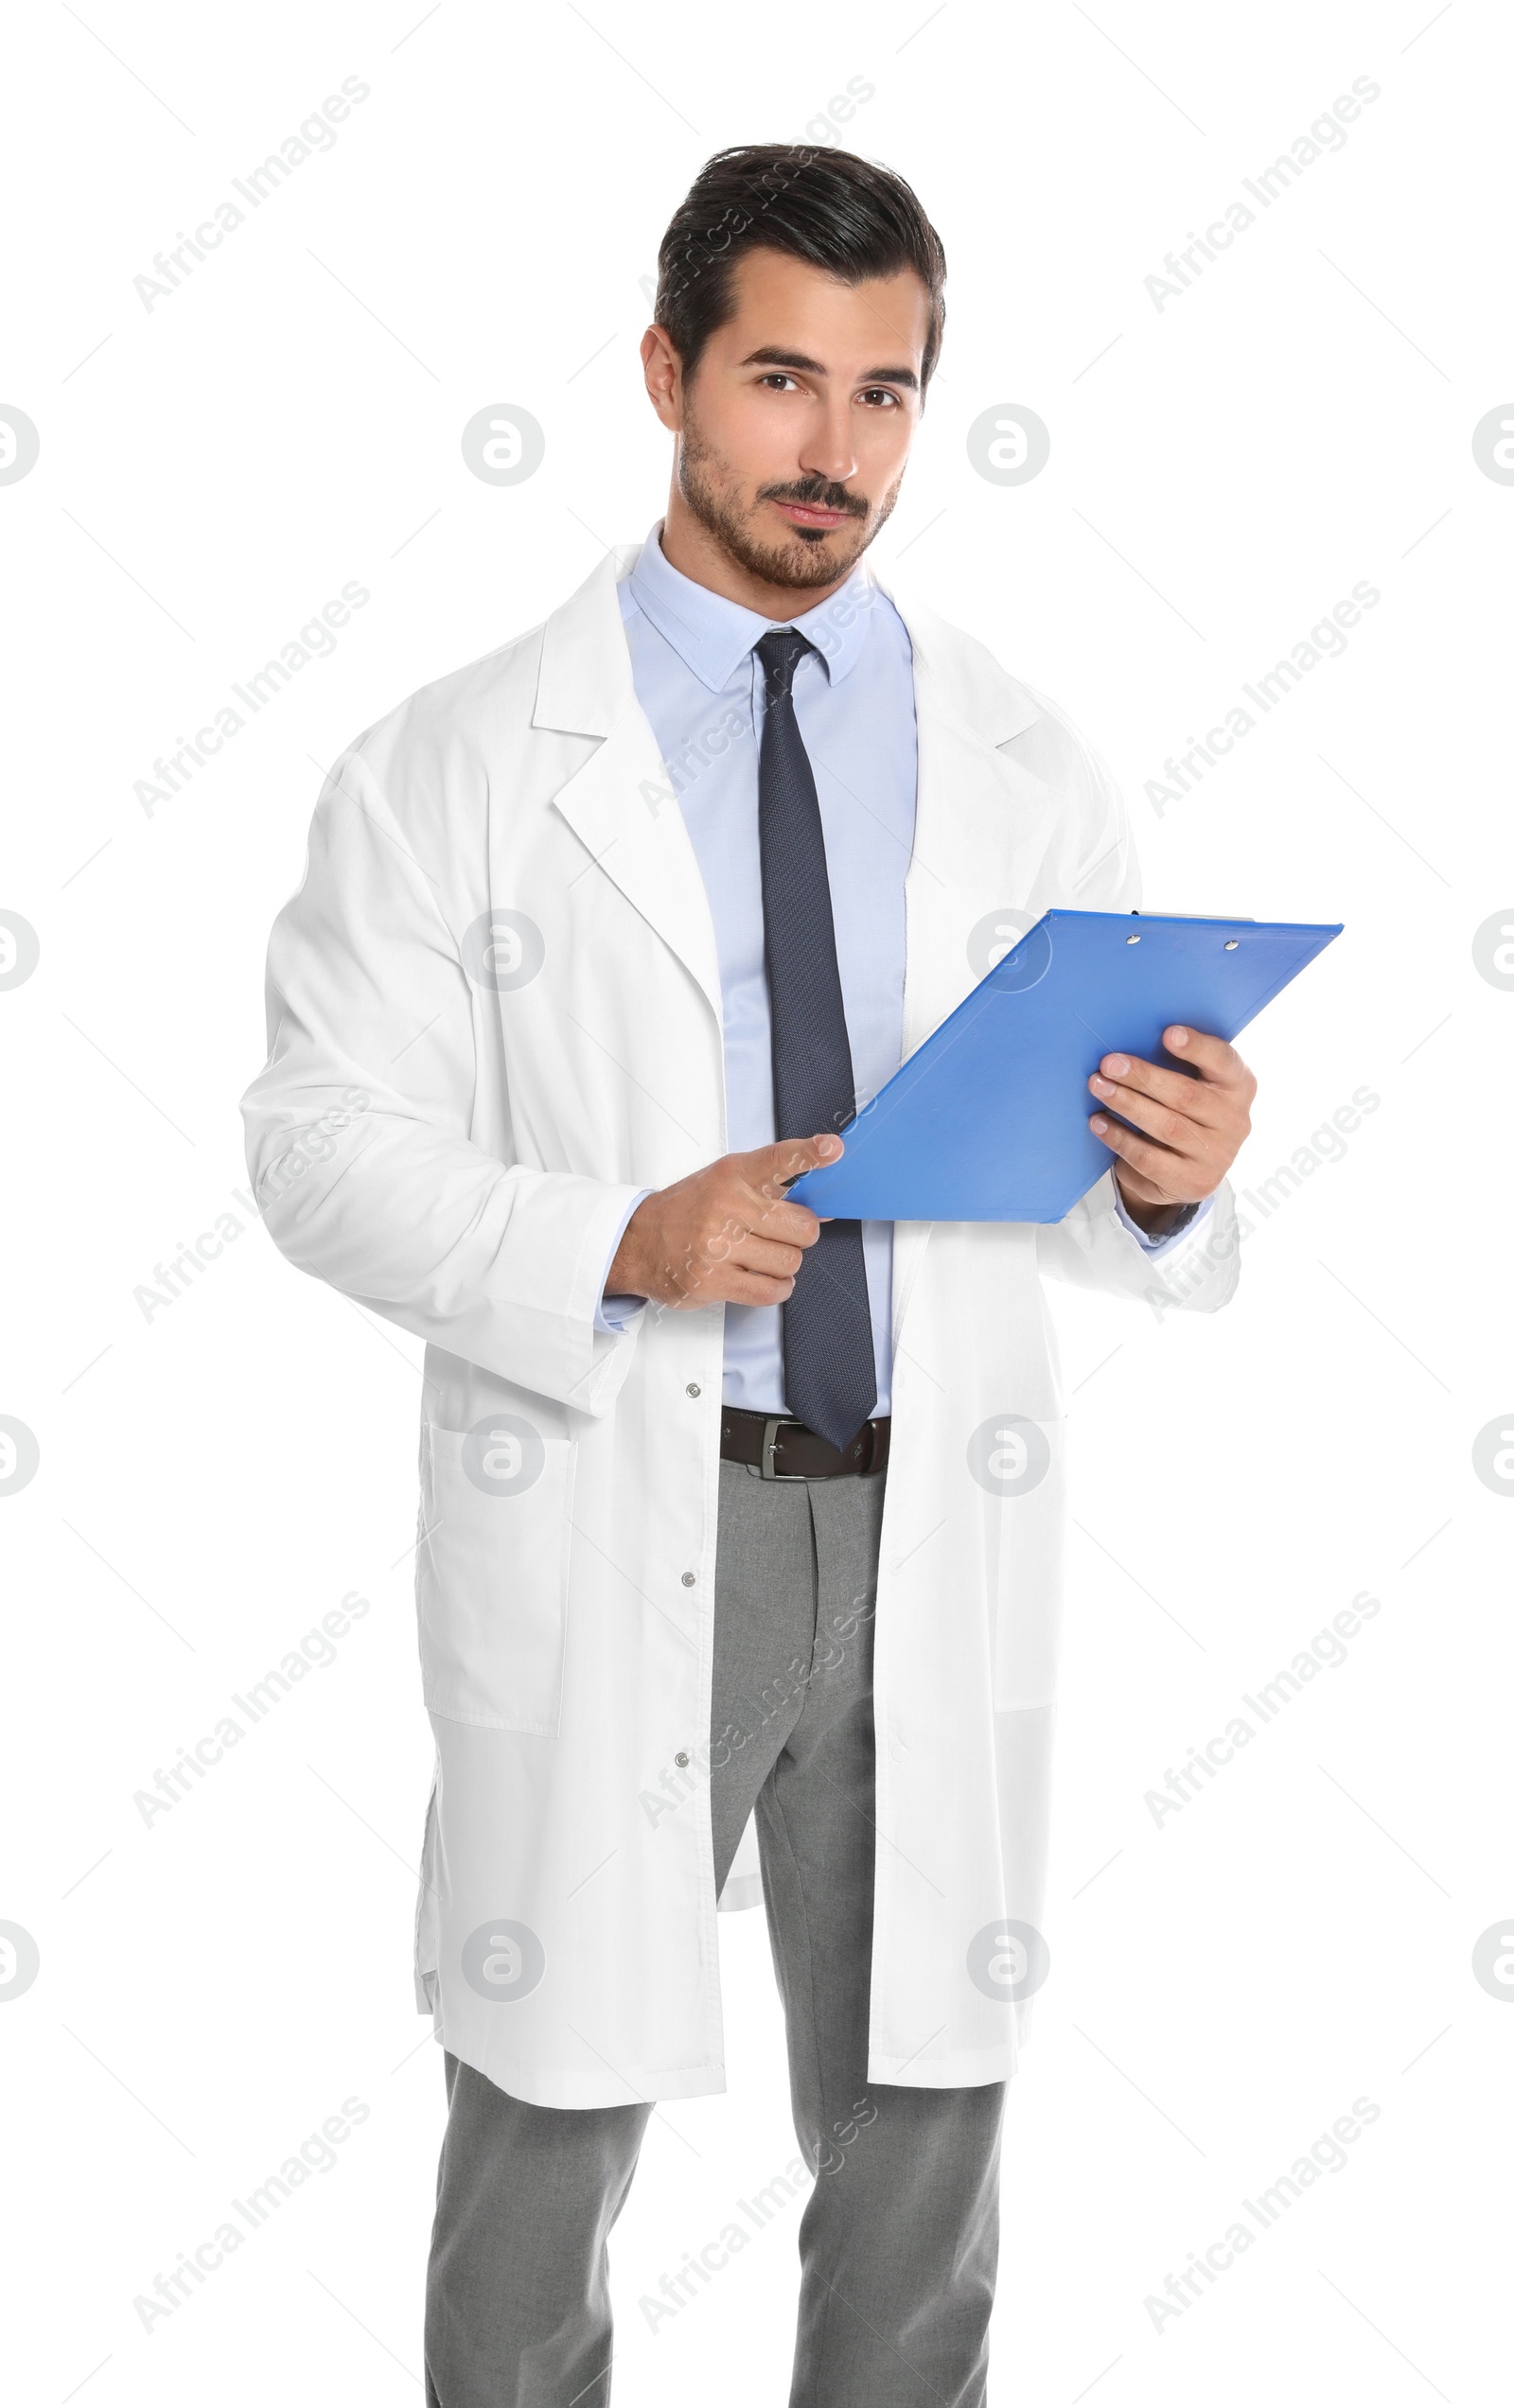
[{"x": 739, "y": 1531}]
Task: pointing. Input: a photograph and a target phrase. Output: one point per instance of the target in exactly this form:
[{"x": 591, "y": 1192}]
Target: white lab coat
[{"x": 458, "y": 1106}]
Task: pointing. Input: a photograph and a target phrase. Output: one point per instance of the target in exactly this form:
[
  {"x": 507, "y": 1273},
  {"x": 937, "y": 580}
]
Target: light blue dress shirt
[{"x": 702, "y": 687}]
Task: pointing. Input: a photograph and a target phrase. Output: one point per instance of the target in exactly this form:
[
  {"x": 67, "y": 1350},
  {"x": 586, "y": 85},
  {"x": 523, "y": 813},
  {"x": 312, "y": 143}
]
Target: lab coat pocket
[{"x": 491, "y": 1576}]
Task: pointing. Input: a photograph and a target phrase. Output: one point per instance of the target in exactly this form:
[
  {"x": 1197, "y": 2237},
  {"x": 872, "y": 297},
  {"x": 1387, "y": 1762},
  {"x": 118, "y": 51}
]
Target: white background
[{"x": 1226, "y": 1982}]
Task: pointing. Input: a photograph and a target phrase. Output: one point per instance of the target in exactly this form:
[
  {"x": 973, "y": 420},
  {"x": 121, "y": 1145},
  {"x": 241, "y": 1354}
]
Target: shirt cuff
[
  {"x": 615, "y": 1314},
  {"x": 1186, "y": 1221}
]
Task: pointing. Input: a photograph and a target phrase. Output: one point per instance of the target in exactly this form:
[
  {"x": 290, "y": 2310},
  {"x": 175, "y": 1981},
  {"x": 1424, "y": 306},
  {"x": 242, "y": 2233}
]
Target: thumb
[{"x": 792, "y": 1156}]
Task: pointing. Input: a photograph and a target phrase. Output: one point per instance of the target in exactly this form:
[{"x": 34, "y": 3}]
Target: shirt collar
[{"x": 711, "y": 635}]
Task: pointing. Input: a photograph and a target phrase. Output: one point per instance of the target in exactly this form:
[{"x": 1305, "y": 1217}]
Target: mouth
[{"x": 803, "y": 513}]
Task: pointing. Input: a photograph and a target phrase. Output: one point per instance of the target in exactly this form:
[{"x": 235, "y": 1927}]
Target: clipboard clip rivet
[
  {"x": 1132, "y": 941},
  {"x": 1230, "y": 943}
]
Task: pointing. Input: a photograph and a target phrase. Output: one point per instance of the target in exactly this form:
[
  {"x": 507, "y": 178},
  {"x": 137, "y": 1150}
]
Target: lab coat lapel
[
  {"x": 982, "y": 821},
  {"x": 620, "y": 802},
  {"x": 981, "y": 827}
]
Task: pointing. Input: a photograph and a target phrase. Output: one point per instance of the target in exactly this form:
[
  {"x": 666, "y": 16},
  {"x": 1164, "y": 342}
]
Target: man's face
[{"x": 794, "y": 430}]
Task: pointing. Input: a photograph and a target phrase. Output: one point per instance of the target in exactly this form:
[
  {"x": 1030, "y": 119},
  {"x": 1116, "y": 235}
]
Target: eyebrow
[{"x": 772, "y": 356}]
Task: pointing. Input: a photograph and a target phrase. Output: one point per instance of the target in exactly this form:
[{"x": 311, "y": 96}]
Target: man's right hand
[{"x": 724, "y": 1236}]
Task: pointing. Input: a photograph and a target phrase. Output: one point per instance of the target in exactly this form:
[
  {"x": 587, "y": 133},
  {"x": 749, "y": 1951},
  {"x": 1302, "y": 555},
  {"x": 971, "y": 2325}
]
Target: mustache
[{"x": 816, "y": 493}]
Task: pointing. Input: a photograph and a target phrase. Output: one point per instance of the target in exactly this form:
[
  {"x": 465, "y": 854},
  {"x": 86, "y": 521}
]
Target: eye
[
  {"x": 881, "y": 393},
  {"x": 777, "y": 376}
]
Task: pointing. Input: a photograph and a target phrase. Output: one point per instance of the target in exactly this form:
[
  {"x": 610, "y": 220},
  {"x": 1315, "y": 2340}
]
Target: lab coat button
[
  {"x": 688, "y": 1580},
  {"x": 693, "y": 1389},
  {"x": 682, "y": 1758}
]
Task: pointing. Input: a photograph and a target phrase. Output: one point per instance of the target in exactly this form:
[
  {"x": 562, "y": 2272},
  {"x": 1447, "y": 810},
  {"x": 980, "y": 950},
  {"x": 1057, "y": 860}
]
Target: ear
[{"x": 665, "y": 378}]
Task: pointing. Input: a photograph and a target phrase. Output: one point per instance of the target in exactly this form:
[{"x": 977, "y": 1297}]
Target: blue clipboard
[{"x": 988, "y": 1119}]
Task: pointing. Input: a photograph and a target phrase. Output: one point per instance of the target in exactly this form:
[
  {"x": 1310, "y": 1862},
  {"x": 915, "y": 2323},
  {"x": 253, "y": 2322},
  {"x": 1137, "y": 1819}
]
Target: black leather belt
[{"x": 782, "y": 1449}]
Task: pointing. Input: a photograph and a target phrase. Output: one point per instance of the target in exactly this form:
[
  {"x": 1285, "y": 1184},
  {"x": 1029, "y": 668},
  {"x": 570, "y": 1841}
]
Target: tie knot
[{"x": 780, "y": 651}]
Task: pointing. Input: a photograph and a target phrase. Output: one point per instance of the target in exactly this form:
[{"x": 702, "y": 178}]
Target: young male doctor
[{"x": 740, "y": 1531}]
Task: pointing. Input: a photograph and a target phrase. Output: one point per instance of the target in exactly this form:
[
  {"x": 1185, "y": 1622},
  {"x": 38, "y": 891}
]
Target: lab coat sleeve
[
  {"x": 1151, "y": 1246},
  {"x": 358, "y": 1129},
  {"x": 1096, "y": 1244},
  {"x": 617, "y": 1312},
  {"x": 1093, "y": 1247}
]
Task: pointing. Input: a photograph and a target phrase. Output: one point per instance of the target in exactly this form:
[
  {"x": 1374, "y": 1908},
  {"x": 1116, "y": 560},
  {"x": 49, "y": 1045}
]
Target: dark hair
[{"x": 843, "y": 214}]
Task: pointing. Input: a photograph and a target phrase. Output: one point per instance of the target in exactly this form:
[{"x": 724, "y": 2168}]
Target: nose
[{"x": 826, "y": 451}]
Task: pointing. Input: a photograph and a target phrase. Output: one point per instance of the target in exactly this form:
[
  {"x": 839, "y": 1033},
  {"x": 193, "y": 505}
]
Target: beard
[{"x": 808, "y": 558}]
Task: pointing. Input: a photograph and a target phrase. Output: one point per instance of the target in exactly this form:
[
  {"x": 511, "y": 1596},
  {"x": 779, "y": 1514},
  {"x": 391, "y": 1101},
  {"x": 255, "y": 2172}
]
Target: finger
[
  {"x": 734, "y": 1243},
  {"x": 1164, "y": 1169},
  {"x": 735, "y": 1240},
  {"x": 751, "y": 1287},
  {"x": 1135, "y": 1189},
  {"x": 732, "y": 1287},
  {"x": 788, "y": 1224},
  {"x": 1211, "y": 1056},
  {"x": 1186, "y": 1096},
  {"x": 1174, "y": 1129},
  {"x": 774, "y": 1167},
  {"x": 716, "y": 1277},
  {"x": 760, "y": 1254}
]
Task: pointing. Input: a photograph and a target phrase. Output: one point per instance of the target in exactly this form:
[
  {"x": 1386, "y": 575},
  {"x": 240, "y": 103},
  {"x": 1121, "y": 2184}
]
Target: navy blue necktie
[{"x": 829, "y": 1376}]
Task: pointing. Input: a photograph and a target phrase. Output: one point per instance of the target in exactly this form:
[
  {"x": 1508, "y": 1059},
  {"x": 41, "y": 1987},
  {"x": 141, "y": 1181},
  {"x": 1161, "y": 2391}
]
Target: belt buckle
[{"x": 771, "y": 1430}]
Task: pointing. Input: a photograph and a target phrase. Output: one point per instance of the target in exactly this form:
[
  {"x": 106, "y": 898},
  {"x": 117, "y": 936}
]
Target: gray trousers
[{"x": 899, "y": 2241}]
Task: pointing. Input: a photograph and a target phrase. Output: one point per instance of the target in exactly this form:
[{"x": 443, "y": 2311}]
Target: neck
[{"x": 689, "y": 547}]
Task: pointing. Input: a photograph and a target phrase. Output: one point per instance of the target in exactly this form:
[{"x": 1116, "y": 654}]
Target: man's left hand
[{"x": 1187, "y": 1132}]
